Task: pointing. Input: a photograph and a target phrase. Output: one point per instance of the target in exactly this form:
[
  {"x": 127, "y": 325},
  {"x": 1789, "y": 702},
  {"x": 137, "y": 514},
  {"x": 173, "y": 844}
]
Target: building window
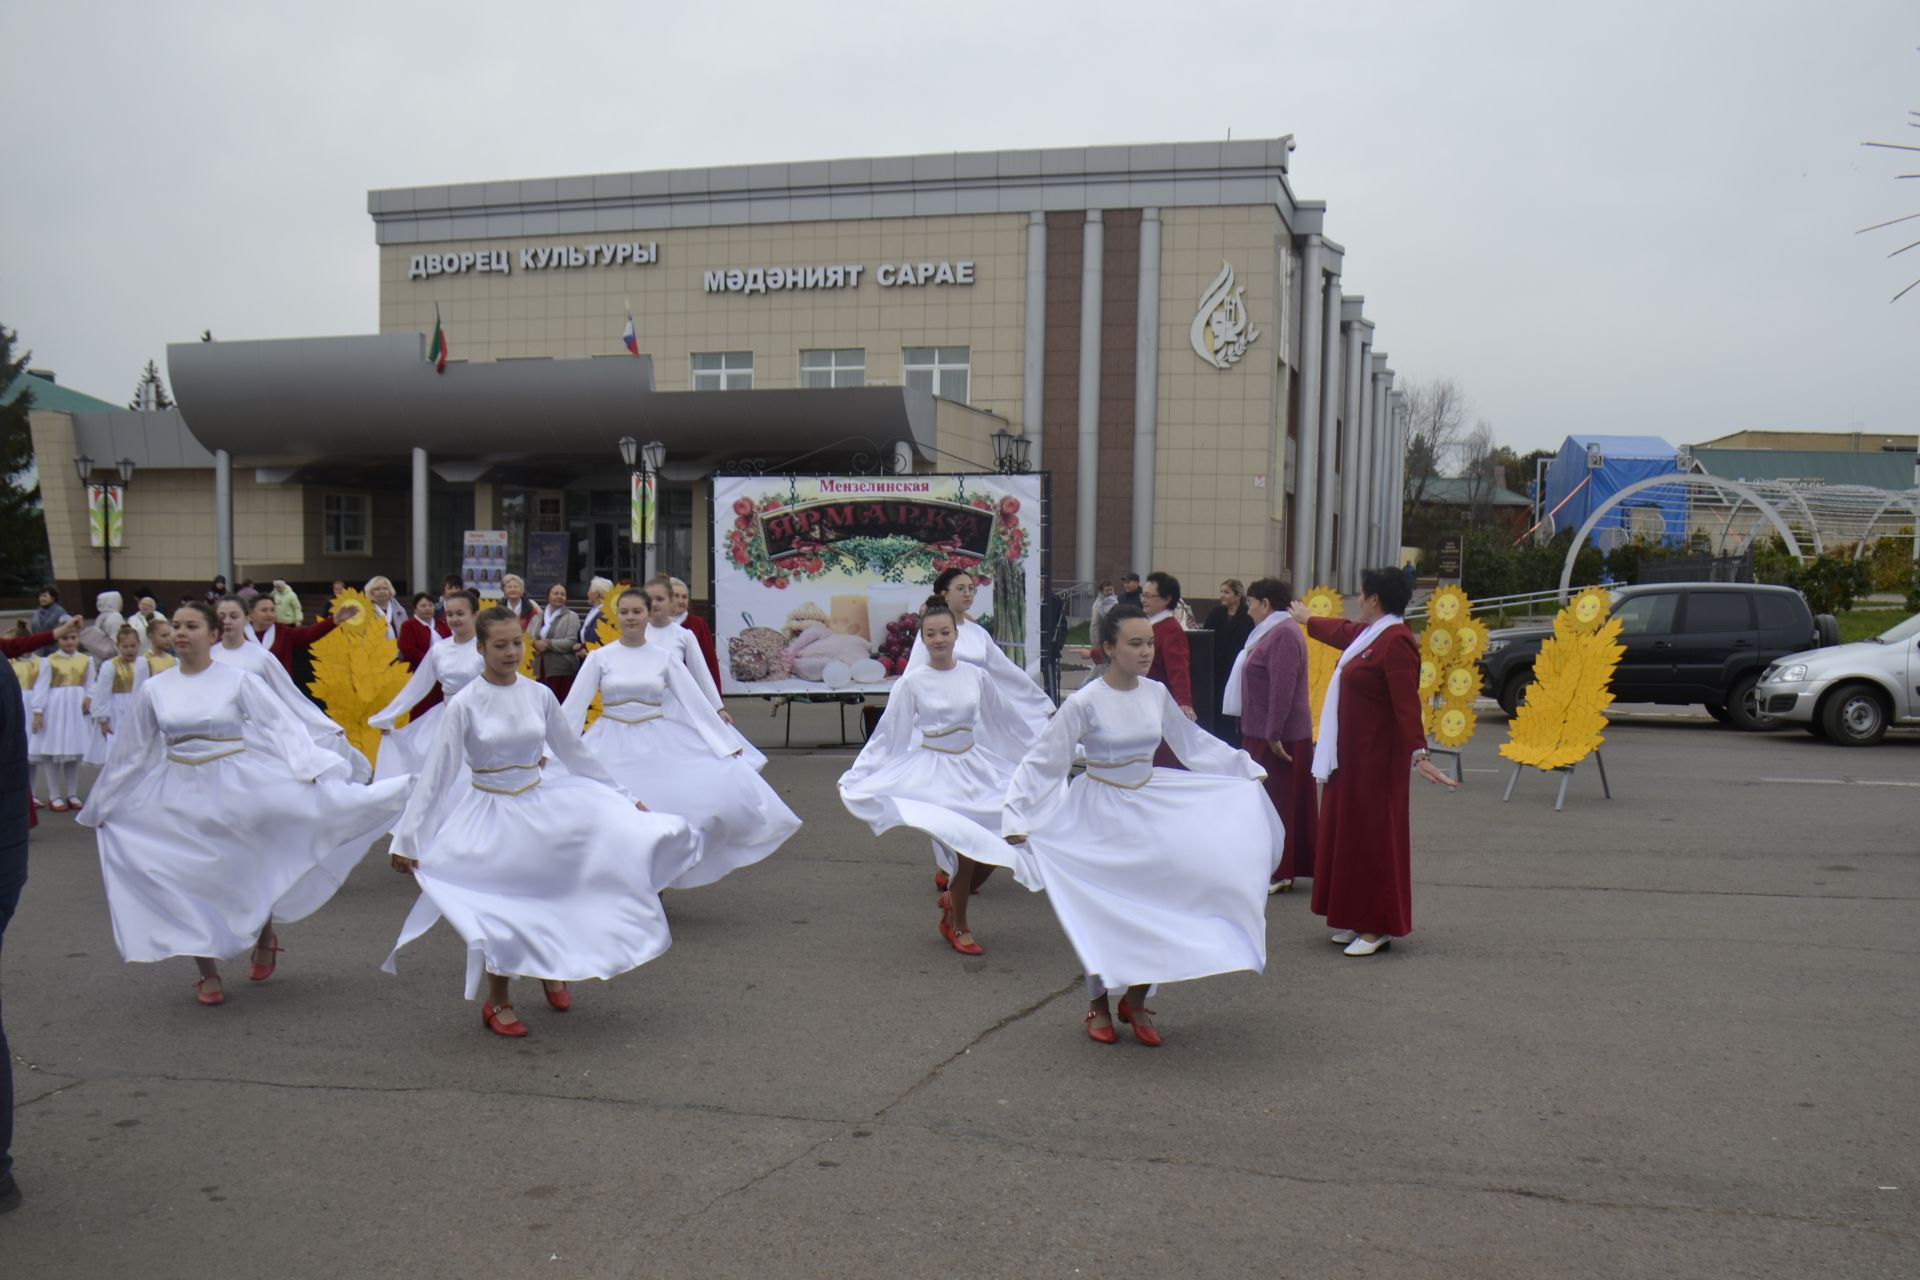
[
  {"x": 842, "y": 367},
  {"x": 723, "y": 371},
  {"x": 945, "y": 371},
  {"x": 345, "y": 519}
]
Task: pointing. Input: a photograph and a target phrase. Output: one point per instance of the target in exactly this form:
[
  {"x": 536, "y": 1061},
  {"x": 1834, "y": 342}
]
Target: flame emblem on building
[{"x": 1221, "y": 332}]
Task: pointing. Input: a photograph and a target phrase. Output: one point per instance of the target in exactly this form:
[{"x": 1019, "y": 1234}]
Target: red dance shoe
[
  {"x": 261, "y": 972},
  {"x": 204, "y": 996},
  {"x": 940, "y": 881},
  {"x": 1101, "y": 1035},
  {"x": 508, "y": 1029},
  {"x": 561, "y": 1000},
  {"x": 1146, "y": 1035}
]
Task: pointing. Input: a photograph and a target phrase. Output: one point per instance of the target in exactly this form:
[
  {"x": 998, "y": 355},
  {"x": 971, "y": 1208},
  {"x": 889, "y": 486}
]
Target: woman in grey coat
[{"x": 556, "y": 629}]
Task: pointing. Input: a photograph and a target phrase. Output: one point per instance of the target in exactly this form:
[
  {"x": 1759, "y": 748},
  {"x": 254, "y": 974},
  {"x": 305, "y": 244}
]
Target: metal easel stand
[
  {"x": 1566, "y": 775},
  {"x": 1454, "y": 753}
]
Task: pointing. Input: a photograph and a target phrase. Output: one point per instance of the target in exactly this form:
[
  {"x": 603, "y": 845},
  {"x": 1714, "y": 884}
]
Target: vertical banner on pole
[
  {"x": 104, "y": 515},
  {"x": 643, "y": 500}
]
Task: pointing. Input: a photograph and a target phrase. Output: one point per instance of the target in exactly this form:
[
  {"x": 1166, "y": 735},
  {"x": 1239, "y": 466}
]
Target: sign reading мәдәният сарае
[
  {"x": 818, "y": 580},
  {"x": 763, "y": 279}
]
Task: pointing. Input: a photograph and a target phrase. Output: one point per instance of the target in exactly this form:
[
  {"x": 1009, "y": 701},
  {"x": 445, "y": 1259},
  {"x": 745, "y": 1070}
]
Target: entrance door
[
  {"x": 610, "y": 549},
  {"x": 1647, "y": 634}
]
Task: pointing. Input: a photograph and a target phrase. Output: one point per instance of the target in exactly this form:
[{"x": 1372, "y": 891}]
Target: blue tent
[{"x": 1658, "y": 514}]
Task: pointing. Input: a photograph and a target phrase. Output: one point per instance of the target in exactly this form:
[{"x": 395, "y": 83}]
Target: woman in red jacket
[{"x": 1369, "y": 733}]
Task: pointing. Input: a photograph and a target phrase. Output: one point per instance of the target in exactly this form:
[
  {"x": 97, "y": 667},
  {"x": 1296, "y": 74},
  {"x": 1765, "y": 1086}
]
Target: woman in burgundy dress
[
  {"x": 1369, "y": 731},
  {"x": 1267, "y": 689}
]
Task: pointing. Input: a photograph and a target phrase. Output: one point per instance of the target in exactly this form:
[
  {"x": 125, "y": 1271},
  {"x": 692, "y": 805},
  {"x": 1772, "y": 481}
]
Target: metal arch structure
[
  {"x": 1691, "y": 479},
  {"x": 1908, "y": 502}
]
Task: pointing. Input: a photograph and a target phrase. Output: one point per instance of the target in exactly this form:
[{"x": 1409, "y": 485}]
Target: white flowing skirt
[
  {"x": 201, "y": 856},
  {"x": 739, "y": 818},
  {"x": 956, "y": 799},
  {"x": 63, "y": 733},
  {"x": 1162, "y": 883},
  {"x": 99, "y": 743},
  {"x": 559, "y": 882}
]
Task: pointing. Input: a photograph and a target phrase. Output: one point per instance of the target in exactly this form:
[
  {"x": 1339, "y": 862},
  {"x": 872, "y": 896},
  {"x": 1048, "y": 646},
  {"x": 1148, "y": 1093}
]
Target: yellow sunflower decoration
[
  {"x": 606, "y": 630},
  {"x": 1450, "y": 646},
  {"x": 1323, "y": 602},
  {"x": 1564, "y": 716},
  {"x": 356, "y": 671}
]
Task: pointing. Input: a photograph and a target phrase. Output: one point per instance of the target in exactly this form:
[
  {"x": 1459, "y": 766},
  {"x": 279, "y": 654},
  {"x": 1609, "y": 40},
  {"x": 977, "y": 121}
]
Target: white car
[{"x": 1850, "y": 693}]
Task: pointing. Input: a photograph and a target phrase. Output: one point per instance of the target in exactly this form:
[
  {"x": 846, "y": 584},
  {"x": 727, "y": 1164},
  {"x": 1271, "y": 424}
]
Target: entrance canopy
[{"x": 302, "y": 404}]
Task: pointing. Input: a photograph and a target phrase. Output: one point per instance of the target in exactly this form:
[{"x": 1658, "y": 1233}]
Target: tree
[
  {"x": 1438, "y": 420},
  {"x": 150, "y": 392},
  {"x": 23, "y": 527}
]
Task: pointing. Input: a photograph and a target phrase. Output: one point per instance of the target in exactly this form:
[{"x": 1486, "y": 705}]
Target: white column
[
  {"x": 223, "y": 515},
  {"x": 1371, "y": 539},
  {"x": 1329, "y": 426},
  {"x": 420, "y": 522},
  {"x": 1306, "y": 462},
  {"x": 1032, "y": 378},
  {"x": 1087, "y": 489},
  {"x": 1351, "y": 462},
  {"x": 1146, "y": 390},
  {"x": 1399, "y": 473}
]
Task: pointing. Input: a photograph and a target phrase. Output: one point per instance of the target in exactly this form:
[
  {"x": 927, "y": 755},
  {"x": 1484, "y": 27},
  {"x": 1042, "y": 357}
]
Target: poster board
[
  {"x": 483, "y": 560},
  {"x": 814, "y": 575},
  {"x": 546, "y": 562}
]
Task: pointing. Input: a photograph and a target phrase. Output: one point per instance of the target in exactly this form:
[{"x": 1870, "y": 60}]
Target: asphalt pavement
[{"x": 1671, "y": 1033}]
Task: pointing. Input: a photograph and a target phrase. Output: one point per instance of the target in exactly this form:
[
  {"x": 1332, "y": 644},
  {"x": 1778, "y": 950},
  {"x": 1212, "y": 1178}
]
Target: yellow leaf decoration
[
  {"x": 607, "y": 629},
  {"x": 1324, "y": 602},
  {"x": 1564, "y": 717},
  {"x": 356, "y": 671}
]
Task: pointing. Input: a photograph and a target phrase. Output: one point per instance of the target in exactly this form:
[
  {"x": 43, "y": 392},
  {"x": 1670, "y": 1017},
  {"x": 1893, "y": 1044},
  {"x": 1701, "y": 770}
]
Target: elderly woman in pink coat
[{"x": 1268, "y": 691}]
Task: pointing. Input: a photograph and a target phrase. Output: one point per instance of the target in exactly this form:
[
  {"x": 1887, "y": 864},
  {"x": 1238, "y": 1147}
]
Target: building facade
[{"x": 1164, "y": 327}]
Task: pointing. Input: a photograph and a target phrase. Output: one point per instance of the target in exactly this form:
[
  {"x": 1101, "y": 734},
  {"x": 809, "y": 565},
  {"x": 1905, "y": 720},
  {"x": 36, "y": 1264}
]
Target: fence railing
[{"x": 1528, "y": 605}]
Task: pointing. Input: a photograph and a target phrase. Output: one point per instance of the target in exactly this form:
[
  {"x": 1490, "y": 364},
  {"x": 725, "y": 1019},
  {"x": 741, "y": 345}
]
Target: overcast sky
[{"x": 1632, "y": 217}]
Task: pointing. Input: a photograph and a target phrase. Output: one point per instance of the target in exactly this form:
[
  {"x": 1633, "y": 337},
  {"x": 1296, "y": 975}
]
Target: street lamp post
[
  {"x": 645, "y": 461},
  {"x": 1009, "y": 453},
  {"x": 83, "y": 466}
]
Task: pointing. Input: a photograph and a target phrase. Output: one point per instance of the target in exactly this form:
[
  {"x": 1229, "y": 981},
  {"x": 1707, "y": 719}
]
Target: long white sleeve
[
  {"x": 281, "y": 732},
  {"x": 696, "y": 665},
  {"x": 891, "y": 737},
  {"x": 42, "y": 681},
  {"x": 1040, "y": 780},
  {"x": 569, "y": 750},
  {"x": 441, "y": 766},
  {"x": 418, "y": 685},
  {"x": 138, "y": 747},
  {"x": 586, "y": 686},
  {"x": 704, "y": 719},
  {"x": 102, "y": 694},
  {"x": 1199, "y": 750},
  {"x": 1027, "y": 699}
]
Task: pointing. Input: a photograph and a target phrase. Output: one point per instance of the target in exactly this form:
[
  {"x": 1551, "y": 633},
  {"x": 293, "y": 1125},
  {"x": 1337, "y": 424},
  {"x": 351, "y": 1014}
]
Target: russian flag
[{"x": 628, "y": 338}]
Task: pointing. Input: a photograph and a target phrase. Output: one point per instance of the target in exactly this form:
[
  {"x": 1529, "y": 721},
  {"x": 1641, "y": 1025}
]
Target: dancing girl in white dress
[
  {"x": 546, "y": 874},
  {"x": 113, "y": 686},
  {"x": 667, "y": 631},
  {"x": 236, "y": 649},
  {"x": 453, "y": 664},
  {"x": 939, "y": 761},
  {"x": 658, "y": 738},
  {"x": 1027, "y": 701},
  {"x": 1156, "y": 875},
  {"x": 217, "y": 816}
]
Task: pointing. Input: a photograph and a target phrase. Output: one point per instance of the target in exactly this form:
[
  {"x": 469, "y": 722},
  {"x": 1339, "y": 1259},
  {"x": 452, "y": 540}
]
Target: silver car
[{"x": 1850, "y": 693}]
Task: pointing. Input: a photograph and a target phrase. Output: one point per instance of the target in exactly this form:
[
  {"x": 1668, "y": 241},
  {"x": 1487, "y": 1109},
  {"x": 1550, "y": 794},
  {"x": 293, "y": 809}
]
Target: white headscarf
[{"x": 1326, "y": 752}]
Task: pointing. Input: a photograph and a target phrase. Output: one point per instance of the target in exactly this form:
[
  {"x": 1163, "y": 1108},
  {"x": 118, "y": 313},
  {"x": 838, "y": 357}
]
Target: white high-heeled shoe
[
  {"x": 1361, "y": 947},
  {"x": 1343, "y": 937}
]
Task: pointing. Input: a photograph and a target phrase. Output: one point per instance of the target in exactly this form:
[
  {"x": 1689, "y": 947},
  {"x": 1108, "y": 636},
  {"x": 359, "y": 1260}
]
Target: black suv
[{"x": 1686, "y": 642}]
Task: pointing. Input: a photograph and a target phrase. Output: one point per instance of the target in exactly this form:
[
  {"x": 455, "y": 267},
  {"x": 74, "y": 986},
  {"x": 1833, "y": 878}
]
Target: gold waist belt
[
  {"x": 939, "y": 741},
  {"x": 487, "y": 780},
  {"x": 178, "y": 758},
  {"x": 1128, "y": 775},
  {"x": 607, "y": 710}
]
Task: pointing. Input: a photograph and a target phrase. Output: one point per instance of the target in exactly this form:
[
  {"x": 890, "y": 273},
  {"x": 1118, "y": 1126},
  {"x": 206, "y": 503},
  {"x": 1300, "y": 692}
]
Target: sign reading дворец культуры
[
  {"x": 888, "y": 275},
  {"x": 818, "y": 580}
]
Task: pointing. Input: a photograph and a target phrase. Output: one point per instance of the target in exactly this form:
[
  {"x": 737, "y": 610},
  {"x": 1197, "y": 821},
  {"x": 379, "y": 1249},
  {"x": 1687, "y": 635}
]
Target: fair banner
[
  {"x": 105, "y": 515},
  {"x": 483, "y": 560},
  {"x": 643, "y": 506},
  {"x": 818, "y": 579}
]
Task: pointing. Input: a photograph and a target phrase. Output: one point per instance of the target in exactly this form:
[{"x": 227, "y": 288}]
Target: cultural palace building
[{"x": 1163, "y": 326}]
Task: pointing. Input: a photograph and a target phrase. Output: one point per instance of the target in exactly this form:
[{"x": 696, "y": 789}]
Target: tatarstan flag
[{"x": 438, "y": 351}]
